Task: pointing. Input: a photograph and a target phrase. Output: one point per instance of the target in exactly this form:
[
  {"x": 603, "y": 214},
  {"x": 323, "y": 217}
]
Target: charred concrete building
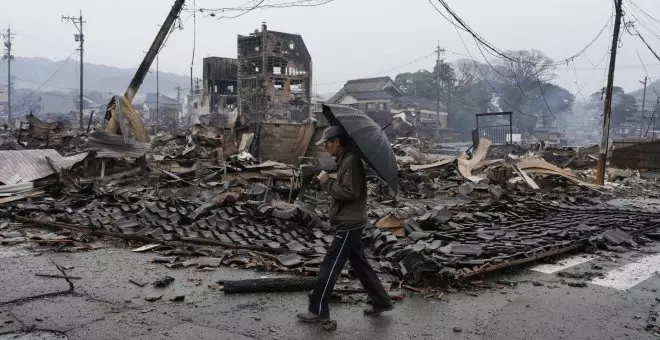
[
  {"x": 274, "y": 77},
  {"x": 220, "y": 78}
]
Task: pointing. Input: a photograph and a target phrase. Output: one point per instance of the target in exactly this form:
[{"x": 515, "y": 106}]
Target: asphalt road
[{"x": 534, "y": 302}]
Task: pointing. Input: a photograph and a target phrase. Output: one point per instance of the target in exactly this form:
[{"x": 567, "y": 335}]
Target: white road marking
[
  {"x": 630, "y": 275},
  {"x": 563, "y": 264}
]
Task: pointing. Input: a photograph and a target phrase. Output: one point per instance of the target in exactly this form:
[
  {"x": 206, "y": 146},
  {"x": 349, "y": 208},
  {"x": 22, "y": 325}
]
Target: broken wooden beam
[{"x": 282, "y": 284}]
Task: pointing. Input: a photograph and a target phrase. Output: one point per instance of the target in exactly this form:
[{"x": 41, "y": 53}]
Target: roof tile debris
[{"x": 458, "y": 216}]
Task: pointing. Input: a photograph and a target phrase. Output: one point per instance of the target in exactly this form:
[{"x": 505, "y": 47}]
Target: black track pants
[{"x": 347, "y": 245}]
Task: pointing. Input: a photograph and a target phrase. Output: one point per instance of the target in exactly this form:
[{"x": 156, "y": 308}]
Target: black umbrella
[{"x": 369, "y": 138}]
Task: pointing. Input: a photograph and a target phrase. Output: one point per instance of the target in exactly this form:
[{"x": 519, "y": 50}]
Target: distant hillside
[{"x": 31, "y": 73}]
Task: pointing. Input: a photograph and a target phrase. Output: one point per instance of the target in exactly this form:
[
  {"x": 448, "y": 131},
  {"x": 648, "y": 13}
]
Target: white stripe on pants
[{"x": 332, "y": 270}]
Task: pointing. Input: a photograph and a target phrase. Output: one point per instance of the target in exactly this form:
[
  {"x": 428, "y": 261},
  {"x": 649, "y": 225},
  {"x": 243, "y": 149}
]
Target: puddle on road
[{"x": 36, "y": 335}]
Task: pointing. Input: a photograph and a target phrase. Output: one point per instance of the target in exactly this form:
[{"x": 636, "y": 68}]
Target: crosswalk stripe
[
  {"x": 630, "y": 275},
  {"x": 563, "y": 264}
]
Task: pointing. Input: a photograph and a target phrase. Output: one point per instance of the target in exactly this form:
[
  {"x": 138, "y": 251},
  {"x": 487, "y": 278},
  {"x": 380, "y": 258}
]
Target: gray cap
[{"x": 330, "y": 133}]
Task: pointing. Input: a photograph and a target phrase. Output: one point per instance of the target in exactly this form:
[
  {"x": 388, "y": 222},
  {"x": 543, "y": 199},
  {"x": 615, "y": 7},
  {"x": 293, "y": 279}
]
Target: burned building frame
[
  {"x": 220, "y": 78},
  {"x": 274, "y": 77}
]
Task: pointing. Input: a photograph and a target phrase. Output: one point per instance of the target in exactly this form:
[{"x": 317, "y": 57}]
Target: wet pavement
[{"x": 523, "y": 304}]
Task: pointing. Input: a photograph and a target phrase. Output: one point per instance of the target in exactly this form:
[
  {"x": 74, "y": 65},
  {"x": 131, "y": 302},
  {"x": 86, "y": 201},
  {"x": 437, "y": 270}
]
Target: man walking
[{"x": 348, "y": 216}]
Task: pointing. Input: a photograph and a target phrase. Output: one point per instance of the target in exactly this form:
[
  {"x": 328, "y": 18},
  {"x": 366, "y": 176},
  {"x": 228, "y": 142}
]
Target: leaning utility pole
[
  {"x": 8, "y": 57},
  {"x": 607, "y": 111},
  {"x": 438, "y": 65},
  {"x": 80, "y": 37},
  {"x": 641, "y": 128},
  {"x": 157, "y": 92}
]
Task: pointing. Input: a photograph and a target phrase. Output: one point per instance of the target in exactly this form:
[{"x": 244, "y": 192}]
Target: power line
[
  {"x": 385, "y": 71},
  {"x": 501, "y": 53},
  {"x": 240, "y": 14},
  {"x": 644, "y": 41},
  {"x": 513, "y": 75},
  {"x": 300, "y": 3},
  {"x": 657, "y": 101},
  {"x": 644, "y": 12},
  {"x": 47, "y": 80},
  {"x": 486, "y": 79},
  {"x": 647, "y": 73},
  {"x": 637, "y": 20},
  {"x": 545, "y": 100}
]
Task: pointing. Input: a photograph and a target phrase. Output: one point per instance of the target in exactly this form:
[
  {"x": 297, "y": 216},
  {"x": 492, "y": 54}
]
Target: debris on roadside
[
  {"x": 163, "y": 282},
  {"x": 186, "y": 193}
]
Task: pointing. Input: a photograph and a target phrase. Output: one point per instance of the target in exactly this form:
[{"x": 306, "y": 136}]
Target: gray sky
[{"x": 347, "y": 38}]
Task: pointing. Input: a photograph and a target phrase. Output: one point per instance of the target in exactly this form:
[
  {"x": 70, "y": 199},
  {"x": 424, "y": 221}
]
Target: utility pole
[
  {"x": 178, "y": 93},
  {"x": 80, "y": 37},
  {"x": 438, "y": 65},
  {"x": 641, "y": 128},
  {"x": 8, "y": 57},
  {"x": 607, "y": 111},
  {"x": 157, "y": 92}
]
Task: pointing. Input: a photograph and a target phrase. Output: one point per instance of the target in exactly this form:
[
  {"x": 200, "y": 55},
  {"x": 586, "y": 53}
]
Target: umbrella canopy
[{"x": 370, "y": 140}]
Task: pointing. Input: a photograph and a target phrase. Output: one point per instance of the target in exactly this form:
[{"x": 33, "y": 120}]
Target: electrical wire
[
  {"x": 545, "y": 100},
  {"x": 212, "y": 12},
  {"x": 444, "y": 16},
  {"x": 486, "y": 79},
  {"x": 240, "y": 14},
  {"x": 647, "y": 73},
  {"x": 645, "y": 43},
  {"x": 513, "y": 75},
  {"x": 644, "y": 12},
  {"x": 637, "y": 20},
  {"x": 657, "y": 101},
  {"x": 384, "y": 71},
  {"x": 503, "y": 54},
  {"x": 47, "y": 80}
]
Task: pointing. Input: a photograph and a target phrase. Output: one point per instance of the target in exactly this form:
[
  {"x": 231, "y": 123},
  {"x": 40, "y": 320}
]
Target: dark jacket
[{"x": 348, "y": 208}]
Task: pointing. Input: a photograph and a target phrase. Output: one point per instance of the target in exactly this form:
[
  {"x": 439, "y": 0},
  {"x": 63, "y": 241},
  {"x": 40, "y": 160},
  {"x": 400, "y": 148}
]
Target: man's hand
[{"x": 323, "y": 177}]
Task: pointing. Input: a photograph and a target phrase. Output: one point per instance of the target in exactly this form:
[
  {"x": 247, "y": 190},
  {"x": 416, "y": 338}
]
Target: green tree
[
  {"x": 420, "y": 84},
  {"x": 624, "y": 106}
]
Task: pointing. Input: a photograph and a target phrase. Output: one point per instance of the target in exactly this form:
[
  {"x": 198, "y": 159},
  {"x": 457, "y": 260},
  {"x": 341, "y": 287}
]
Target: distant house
[
  {"x": 374, "y": 96},
  {"x": 162, "y": 108},
  {"x": 89, "y": 106},
  {"x": 423, "y": 114}
]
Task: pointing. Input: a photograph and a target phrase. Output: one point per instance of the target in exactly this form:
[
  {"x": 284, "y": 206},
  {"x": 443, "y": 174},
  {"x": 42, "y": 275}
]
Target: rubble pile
[
  {"x": 437, "y": 244},
  {"x": 455, "y": 217}
]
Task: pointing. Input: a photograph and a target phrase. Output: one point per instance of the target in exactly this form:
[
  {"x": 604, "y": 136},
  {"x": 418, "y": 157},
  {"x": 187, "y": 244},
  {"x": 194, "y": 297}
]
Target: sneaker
[
  {"x": 375, "y": 311},
  {"x": 310, "y": 317}
]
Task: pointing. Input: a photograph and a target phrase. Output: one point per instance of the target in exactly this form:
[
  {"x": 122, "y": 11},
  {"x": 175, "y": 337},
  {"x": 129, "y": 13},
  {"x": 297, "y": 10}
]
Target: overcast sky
[{"x": 347, "y": 38}]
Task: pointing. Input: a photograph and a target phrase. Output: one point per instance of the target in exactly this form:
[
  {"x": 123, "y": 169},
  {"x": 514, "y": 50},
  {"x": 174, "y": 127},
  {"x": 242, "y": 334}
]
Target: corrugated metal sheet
[
  {"x": 29, "y": 165},
  {"x": 109, "y": 145}
]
